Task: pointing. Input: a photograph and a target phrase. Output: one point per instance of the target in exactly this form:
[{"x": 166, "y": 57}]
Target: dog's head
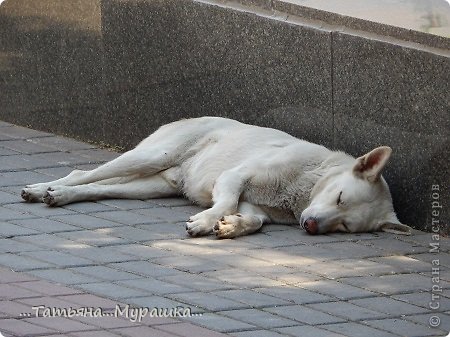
[{"x": 356, "y": 199}]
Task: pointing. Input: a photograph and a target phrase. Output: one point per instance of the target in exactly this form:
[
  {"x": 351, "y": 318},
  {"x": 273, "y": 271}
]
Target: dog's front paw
[
  {"x": 229, "y": 226},
  {"x": 199, "y": 225}
]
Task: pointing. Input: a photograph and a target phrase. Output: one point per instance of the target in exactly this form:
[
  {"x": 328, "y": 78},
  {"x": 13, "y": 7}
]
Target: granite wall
[{"x": 112, "y": 71}]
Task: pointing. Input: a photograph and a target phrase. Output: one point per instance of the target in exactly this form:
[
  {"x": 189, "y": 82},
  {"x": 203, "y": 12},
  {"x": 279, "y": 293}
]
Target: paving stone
[
  {"x": 171, "y": 202},
  {"x": 62, "y": 143},
  {"x": 165, "y": 231},
  {"x": 197, "y": 282},
  {"x": 423, "y": 299},
  {"x": 96, "y": 333},
  {"x": 219, "y": 323},
  {"x": 348, "y": 268},
  {"x": 8, "y": 276},
  {"x": 403, "y": 327},
  {"x": 143, "y": 251},
  {"x": 391, "y": 284},
  {"x": 133, "y": 234},
  {"x": 26, "y": 146},
  {"x": 90, "y": 300},
  {"x": 13, "y": 309},
  {"x": 308, "y": 331},
  {"x": 142, "y": 331},
  {"x": 51, "y": 241},
  {"x": 388, "y": 305},
  {"x": 251, "y": 298},
  {"x": 258, "y": 318},
  {"x": 294, "y": 294},
  {"x": 11, "y": 291},
  {"x": 23, "y": 328},
  {"x": 125, "y": 217},
  {"x": 207, "y": 301},
  {"x": 259, "y": 333},
  {"x": 351, "y": 329},
  {"x": 11, "y": 230},
  {"x": 105, "y": 273},
  {"x": 242, "y": 278},
  {"x": 97, "y": 154},
  {"x": 153, "y": 286},
  {"x": 111, "y": 290},
  {"x": 126, "y": 204},
  {"x": 302, "y": 314},
  {"x": 98, "y": 237},
  {"x": 20, "y": 132},
  {"x": 53, "y": 173},
  {"x": 63, "y": 276},
  {"x": 46, "y": 288},
  {"x": 14, "y": 246},
  {"x": 21, "y": 263},
  {"x": 21, "y": 178},
  {"x": 191, "y": 264},
  {"x": 6, "y": 152},
  {"x": 101, "y": 254},
  {"x": 337, "y": 251},
  {"x": 189, "y": 330},
  {"x": 61, "y": 324},
  {"x": 393, "y": 246},
  {"x": 9, "y": 198},
  {"x": 171, "y": 215},
  {"x": 425, "y": 320},
  {"x": 294, "y": 236},
  {"x": 38, "y": 210},
  {"x": 156, "y": 302},
  {"x": 59, "y": 259},
  {"x": 145, "y": 268},
  {"x": 9, "y": 214},
  {"x": 444, "y": 258},
  {"x": 45, "y": 225},
  {"x": 403, "y": 263},
  {"x": 86, "y": 221},
  {"x": 336, "y": 289},
  {"x": 347, "y": 310},
  {"x": 88, "y": 207}
]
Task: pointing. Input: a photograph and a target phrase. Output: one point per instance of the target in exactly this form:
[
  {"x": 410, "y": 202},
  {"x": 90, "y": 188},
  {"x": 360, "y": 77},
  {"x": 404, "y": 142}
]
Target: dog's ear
[
  {"x": 371, "y": 164},
  {"x": 396, "y": 228}
]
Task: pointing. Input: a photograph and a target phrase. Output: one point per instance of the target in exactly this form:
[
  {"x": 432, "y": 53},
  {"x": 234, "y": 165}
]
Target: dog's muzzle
[{"x": 310, "y": 225}]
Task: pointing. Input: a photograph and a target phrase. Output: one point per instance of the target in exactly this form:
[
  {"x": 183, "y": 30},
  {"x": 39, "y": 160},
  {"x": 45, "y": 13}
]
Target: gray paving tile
[
  {"x": 51, "y": 241},
  {"x": 308, "y": 331},
  {"x": 220, "y": 323},
  {"x": 207, "y": 301},
  {"x": 403, "y": 327},
  {"x": 10, "y": 230},
  {"x": 105, "y": 273},
  {"x": 243, "y": 279},
  {"x": 19, "y": 132},
  {"x": 424, "y": 319},
  {"x": 98, "y": 237},
  {"x": 21, "y": 263},
  {"x": 126, "y": 204},
  {"x": 191, "y": 264},
  {"x": 143, "y": 251},
  {"x": 251, "y": 297},
  {"x": 9, "y": 198},
  {"x": 125, "y": 217},
  {"x": 63, "y": 276},
  {"x": 154, "y": 301},
  {"x": 59, "y": 259},
  {"x": 38, "y": 209},
  {"x": 88, "y": 206},
  {"x": 197, "y": 282},
  {"x": 259, "y": 333},
  {"x": 336, "y": 289},
  {"x": 62, "y": 143},
  {"x": 9, "y": 214},
  {"x": 304, "y": 315},
  {"x": 14, "y": 246},
  {"x": 388, "y": 305},
  {"x": 351, "y": 329},
  {"x": 112, "y": 290},
  {"x": 25, "y": 146},
  {"x": 153, "y": 286},
  {"x": 422, "y": 299},
  {"x": 391, "y": 284},
  {"x": 258, "y": 318},
  {"x": 348, "y": 311},
  {"x": 85, "y": 221},
  {"x": 145, "y": 268},
  {"x": 294, "y": 294},
  {"x": 171, "y": 215},
  {"x": 45, "y": 225},
  {"x": 401, "y": 263},
  {"x": 101, "y": 255}
]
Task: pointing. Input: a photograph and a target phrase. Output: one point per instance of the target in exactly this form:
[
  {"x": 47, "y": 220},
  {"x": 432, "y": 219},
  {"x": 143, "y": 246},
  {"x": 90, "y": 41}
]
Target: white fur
[{"x": 246, "y": 175}]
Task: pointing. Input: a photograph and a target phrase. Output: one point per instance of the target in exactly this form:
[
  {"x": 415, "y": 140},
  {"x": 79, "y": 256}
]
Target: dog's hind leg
[
  {"x": 248, "y": 220},
  {"x": 142, "y": 188},
  {"x": 135, "y": 162}
]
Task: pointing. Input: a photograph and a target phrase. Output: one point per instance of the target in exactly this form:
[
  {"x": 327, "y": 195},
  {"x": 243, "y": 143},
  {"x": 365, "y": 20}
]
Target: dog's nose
[{"x": 311, "y": 226}]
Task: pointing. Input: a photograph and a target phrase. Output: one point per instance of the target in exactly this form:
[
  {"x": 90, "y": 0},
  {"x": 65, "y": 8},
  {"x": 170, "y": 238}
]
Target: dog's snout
[{"x": 311, "y": 226}]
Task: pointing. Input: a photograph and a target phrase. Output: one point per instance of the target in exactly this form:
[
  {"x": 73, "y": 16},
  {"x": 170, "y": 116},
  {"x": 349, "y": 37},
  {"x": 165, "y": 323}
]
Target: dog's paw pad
[{"x": 49, "y": 199}]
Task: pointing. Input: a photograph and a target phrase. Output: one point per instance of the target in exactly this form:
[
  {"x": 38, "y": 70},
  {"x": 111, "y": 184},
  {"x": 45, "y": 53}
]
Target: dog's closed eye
[{"x": 339, "y": 199}]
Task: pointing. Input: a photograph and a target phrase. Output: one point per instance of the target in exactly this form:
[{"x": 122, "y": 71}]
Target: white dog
[{"x": 246, "y": 175}]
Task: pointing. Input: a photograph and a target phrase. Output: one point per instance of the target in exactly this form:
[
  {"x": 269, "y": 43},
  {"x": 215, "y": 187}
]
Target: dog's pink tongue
[{"x": 311, "y": 226}]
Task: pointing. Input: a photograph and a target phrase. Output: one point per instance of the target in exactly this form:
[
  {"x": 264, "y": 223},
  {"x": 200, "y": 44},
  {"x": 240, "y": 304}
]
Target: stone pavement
[{"x": 279, "y": 282}]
